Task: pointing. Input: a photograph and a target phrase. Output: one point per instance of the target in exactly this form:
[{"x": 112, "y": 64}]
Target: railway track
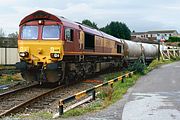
[
  {"x": 36, "y": 98},
  {"x": 8, "y": 93},
  {"x": 14, "y": 101},
  {"x": 49, "y": 103}
]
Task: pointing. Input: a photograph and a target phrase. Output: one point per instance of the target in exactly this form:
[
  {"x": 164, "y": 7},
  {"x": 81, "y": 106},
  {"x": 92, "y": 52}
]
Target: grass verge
[
  {"x": 155, "y": 63},
  {"x": 8, "y": 79}
]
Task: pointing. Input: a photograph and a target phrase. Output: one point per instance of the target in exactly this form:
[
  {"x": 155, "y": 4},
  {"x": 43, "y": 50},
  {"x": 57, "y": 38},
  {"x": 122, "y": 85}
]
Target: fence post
[
  {"x": 111, "y": 85},
  {"x": 123, "y": 79},
  {"x": 130, "y": 74},
  {"x": 60, "y": 108},
  {"x": 93, "y": 95},
  {"x": 5, "y": 55},
  {"x": 159, "y": 54}
]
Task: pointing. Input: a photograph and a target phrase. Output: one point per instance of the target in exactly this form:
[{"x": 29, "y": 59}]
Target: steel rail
[
  {"x": 17, "y": 90},
  {"x": 28, "y": 102}
]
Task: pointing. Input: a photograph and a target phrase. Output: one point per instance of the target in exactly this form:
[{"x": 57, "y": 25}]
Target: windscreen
[
  {"x": 29, "y": 32},
  {"x": 51, "y": 32}
]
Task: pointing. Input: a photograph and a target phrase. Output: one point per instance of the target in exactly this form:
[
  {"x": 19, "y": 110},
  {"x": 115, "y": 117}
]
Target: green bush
[
  {"x": 178, "y": 44},
  {"x": 137, "y": 66},
  {"x": 174, "y": 39}
]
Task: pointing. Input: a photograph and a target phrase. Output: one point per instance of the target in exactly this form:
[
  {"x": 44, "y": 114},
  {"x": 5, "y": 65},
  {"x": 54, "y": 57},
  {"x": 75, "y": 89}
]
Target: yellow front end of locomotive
[{"x": 40, "y": 51}]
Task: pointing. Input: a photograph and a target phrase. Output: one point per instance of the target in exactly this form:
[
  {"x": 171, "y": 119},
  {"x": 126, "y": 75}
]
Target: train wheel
[
  {"x": 71, "y": 76},
  {"x": 81, "y": 72},
  {"x": 89, "y": 68}
]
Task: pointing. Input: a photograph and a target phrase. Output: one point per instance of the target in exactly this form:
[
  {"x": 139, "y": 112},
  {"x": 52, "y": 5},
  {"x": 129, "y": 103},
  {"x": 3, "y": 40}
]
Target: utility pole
[
  {"x": 5, "y": 43},
  {"x": 159, "y": 50},
  {"x": 5, "y": 47},
  {"x": 159, "y": 40}
]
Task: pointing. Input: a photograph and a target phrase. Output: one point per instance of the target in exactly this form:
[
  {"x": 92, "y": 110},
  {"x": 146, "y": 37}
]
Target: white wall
[{"x": 12, "y": 56}]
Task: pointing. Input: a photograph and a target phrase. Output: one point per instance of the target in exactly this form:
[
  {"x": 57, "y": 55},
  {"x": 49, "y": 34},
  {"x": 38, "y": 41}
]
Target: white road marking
[
  {"x": 177, "y": 66},
  {"x": 151, "y": 106}
]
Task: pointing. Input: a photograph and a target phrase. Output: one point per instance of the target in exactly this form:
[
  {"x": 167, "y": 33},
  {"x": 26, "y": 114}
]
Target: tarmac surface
[{"x": 155, "y": 96}]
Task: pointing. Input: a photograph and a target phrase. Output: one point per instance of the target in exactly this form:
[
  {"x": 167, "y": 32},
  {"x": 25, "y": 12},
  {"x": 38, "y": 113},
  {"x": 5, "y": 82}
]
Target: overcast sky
[{"x": 139, "y": 15}]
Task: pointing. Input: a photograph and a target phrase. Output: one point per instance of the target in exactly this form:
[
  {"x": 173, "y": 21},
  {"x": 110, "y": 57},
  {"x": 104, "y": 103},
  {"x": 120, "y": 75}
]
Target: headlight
[
  {"x": 23, "y": 54},
  {"x": 55, "y": 55}
]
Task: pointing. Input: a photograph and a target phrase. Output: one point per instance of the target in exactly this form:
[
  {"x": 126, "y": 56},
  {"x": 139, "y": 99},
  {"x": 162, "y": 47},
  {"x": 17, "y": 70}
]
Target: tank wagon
[
  {"x": 54, "y": 49},
  {"x": 150, "y": 51}
]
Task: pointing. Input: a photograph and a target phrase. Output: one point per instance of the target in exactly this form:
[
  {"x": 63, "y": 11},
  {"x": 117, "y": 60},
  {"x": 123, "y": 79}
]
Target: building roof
[
  {"x": 138, "y": 33},
  {"x": 163, "y": 31},
  {"x": 154, "y": 32}
]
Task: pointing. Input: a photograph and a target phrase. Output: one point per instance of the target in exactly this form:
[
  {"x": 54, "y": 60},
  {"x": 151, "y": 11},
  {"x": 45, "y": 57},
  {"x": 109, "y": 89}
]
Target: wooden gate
[{"x": 170, "y": 54}]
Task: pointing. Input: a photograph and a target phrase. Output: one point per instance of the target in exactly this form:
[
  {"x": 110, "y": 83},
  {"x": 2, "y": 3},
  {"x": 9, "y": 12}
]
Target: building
[{"x": 154, "y": 35}]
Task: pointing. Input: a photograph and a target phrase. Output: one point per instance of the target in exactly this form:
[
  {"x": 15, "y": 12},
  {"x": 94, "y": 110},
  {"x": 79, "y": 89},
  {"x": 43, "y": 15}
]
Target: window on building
[
  {"x": 89, "y": 41},
  {"x": 170, "y": 35},
  {"x": 68, "y": 34},
  {"x": 165, "y": 34},
  {"x": 147, "y": 36},
  {"x": 151, "y": 35}
]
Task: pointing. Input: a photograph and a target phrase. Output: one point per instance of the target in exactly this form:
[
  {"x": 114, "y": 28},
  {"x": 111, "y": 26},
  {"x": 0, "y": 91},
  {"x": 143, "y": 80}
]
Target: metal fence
[
  {"x": 8, "y": 56},
  {"x": 92, "y": 90}
]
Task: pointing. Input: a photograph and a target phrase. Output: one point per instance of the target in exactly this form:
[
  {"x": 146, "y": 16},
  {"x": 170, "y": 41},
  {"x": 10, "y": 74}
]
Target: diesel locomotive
[{"x": 55, "y": 49}]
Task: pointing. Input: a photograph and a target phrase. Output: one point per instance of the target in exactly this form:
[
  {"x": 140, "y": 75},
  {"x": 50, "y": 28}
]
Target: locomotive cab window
[
  {"x": 89, "y": 41},
  {"x": 51, "y": 32},
  {"x": 119, "y": 49},
  {"x": 29, "y": 33},
  {"x": 68, "y": 34}
]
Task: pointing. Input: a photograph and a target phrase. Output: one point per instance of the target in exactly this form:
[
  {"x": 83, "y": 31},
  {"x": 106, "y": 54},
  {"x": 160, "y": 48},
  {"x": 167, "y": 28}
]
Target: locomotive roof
[
  {"x": 110, "y": 37},
  {"x": 42, "y": 15},
  {"x": 39, "y": 15}
]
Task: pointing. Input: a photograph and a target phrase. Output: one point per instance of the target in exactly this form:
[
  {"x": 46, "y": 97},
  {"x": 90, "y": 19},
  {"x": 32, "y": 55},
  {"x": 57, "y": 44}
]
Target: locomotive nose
[
  {"x": 48, "y": 55},
  {"x": 46, "y": 52},
  {"x": 40, "y": 51}
]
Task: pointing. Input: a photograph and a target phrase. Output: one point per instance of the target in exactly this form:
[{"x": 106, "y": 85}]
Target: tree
[
  {"x": 2, "y": 34},
  {"x": 173, "y": 39},
  {"x": 117, "y": 29},
  {"x": 13, "y": 35},
  {"x": 89, "y": 23}
]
